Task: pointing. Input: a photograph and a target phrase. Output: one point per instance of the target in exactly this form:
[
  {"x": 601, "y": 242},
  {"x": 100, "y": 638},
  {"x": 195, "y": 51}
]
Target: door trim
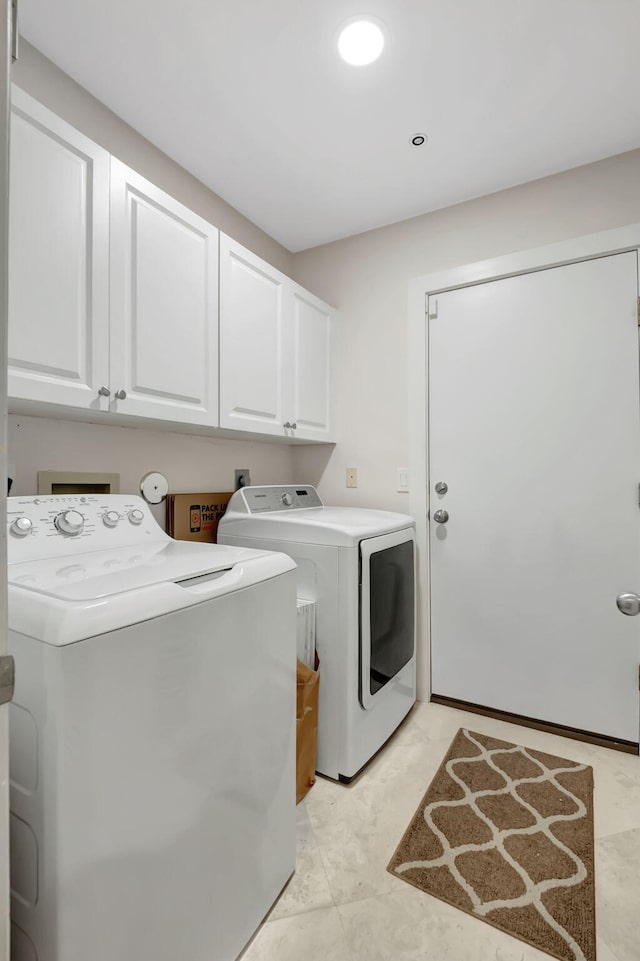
[{"x": 588, "y": 247}]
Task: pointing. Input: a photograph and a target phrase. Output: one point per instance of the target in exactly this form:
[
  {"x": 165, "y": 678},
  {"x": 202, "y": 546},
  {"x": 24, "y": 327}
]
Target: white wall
[
  {"x": 191, "y": 463},
  {"x": 366, "y": 278}
]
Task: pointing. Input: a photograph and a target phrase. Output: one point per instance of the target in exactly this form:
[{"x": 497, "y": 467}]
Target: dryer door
[{"x": 387, "y": 610}]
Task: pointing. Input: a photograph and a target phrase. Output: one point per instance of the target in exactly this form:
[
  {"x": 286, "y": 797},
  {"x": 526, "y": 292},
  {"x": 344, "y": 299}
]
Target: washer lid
[
  {"x": 62, "y": 605},
  {"x": 333, "y": 526},
  {"x": 102, "y": 574}
]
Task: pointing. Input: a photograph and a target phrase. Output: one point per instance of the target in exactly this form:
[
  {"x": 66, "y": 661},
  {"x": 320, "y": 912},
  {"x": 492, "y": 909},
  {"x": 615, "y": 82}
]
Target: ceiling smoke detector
[
  {"x": 419, "y": 139},
  {"x": 360, "y": 42}
]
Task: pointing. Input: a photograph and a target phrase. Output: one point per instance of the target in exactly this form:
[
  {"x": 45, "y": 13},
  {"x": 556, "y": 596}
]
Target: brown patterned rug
[{"x": 506, "y": 834}]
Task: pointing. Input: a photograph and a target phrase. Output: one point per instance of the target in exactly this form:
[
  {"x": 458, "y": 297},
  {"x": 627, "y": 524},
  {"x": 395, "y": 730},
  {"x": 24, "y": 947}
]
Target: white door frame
[
  {"x": 5, "y": 65},
  {"x": 588, "y": 247}
]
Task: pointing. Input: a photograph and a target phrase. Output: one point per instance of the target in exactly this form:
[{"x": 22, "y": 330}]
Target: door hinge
[{"x": 7, "y": 678}]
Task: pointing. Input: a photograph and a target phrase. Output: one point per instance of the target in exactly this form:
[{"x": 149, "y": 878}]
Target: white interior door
[{"x": 534, "y": 428}]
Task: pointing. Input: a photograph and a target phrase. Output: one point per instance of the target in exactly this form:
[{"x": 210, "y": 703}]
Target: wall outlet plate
[
  {"x": 352, "y": 476},
  {"x": 241, "y": 478}
]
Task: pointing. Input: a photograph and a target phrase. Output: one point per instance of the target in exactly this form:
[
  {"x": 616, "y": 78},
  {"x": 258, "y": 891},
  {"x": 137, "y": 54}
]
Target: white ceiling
[{"x": 251, "y": 97}]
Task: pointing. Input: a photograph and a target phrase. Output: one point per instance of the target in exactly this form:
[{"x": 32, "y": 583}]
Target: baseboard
[{"x": 628, "y": 747}]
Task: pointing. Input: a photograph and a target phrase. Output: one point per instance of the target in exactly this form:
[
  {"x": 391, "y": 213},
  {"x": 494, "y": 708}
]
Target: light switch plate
[
  {"x": 352, "y": 476},
  {"x": 402, "y": 480}
]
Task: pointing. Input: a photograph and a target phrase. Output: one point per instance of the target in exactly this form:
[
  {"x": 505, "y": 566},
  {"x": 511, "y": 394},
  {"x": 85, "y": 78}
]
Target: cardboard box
[
  {"x": 308, "y": 688},
  {"x": 195, "y": 517}
]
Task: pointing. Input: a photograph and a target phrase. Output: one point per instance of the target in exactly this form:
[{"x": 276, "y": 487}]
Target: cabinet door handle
[
  {"x": 287, "y": 425},
  {"x": 294, "y": 426},
  {"x": 104, "y": 392},
  {"x": 121, "y": 394}
]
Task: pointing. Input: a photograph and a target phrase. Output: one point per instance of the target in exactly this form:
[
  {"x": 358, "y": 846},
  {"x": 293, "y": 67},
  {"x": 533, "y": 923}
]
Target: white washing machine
[
  {"x": 359, "y": 567},
  {"x": 152, "y": 735}
]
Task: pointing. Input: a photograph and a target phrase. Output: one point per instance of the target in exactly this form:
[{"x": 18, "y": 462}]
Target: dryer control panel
[{"x": 260, "y": 500}]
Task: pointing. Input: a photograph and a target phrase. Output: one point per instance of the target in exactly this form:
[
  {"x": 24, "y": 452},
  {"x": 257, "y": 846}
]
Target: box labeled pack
[{"x": 195, "y": 517}]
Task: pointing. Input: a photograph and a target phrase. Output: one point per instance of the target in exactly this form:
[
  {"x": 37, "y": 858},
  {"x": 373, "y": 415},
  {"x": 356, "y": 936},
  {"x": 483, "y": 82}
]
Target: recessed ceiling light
[
  {"x": 419, "y": 139},
  {"x": 360, "y": 42}
]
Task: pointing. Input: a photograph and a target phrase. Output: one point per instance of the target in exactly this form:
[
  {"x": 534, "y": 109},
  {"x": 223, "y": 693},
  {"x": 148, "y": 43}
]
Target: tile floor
[{"x": 342, "y": 904}]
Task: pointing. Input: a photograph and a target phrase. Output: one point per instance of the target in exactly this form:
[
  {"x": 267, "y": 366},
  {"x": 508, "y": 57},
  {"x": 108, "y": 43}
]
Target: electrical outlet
[
  {"x": 352, "y": 476},
  {"x": 241, "y": 478}
]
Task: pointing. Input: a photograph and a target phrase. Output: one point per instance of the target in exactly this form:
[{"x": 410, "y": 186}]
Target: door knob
[
  {"x": 287, "y": 425},
  {"x": 441, "y": 487},
  {"x": 629, "y": 604},
  {"x": 441, "y": 517},
  {"x": 104, "y": 392},
  {"x": 121, "y": 394}
]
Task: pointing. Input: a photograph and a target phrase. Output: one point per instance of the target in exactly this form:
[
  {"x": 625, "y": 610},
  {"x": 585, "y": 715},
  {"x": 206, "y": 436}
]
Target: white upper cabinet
[
  {"x": 275, "y": 350},
  {"x": 311, "y": 370},
  {"x": 58, "y": 260},
  {"x": 164, "y": 305},
  {"x": 113, "y": 301},
  {"x": 253, "y": 341}
]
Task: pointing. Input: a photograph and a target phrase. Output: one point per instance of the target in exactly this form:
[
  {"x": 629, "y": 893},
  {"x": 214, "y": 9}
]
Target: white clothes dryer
[
  {"x": 359, "y": 567},
  {"x": 152, "y": 735}
]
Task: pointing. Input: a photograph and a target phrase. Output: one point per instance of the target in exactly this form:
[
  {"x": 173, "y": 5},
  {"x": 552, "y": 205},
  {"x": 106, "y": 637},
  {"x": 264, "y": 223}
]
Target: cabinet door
[
  {"x": 254, "y": 349},
  {"x": 58, "y": 260},
  {"x": 312, "y": 366},
  {"x": 164, "y": 305}
]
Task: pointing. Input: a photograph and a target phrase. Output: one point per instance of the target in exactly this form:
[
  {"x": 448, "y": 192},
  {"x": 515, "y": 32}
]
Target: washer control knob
[
  {"x": 136, "y": 516},
  {"x": 21, "y": 526},
  {"x": 287, "y": 499},
  {"x": 70, "y": 522},
  {"x": 110, "y": 519}
]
